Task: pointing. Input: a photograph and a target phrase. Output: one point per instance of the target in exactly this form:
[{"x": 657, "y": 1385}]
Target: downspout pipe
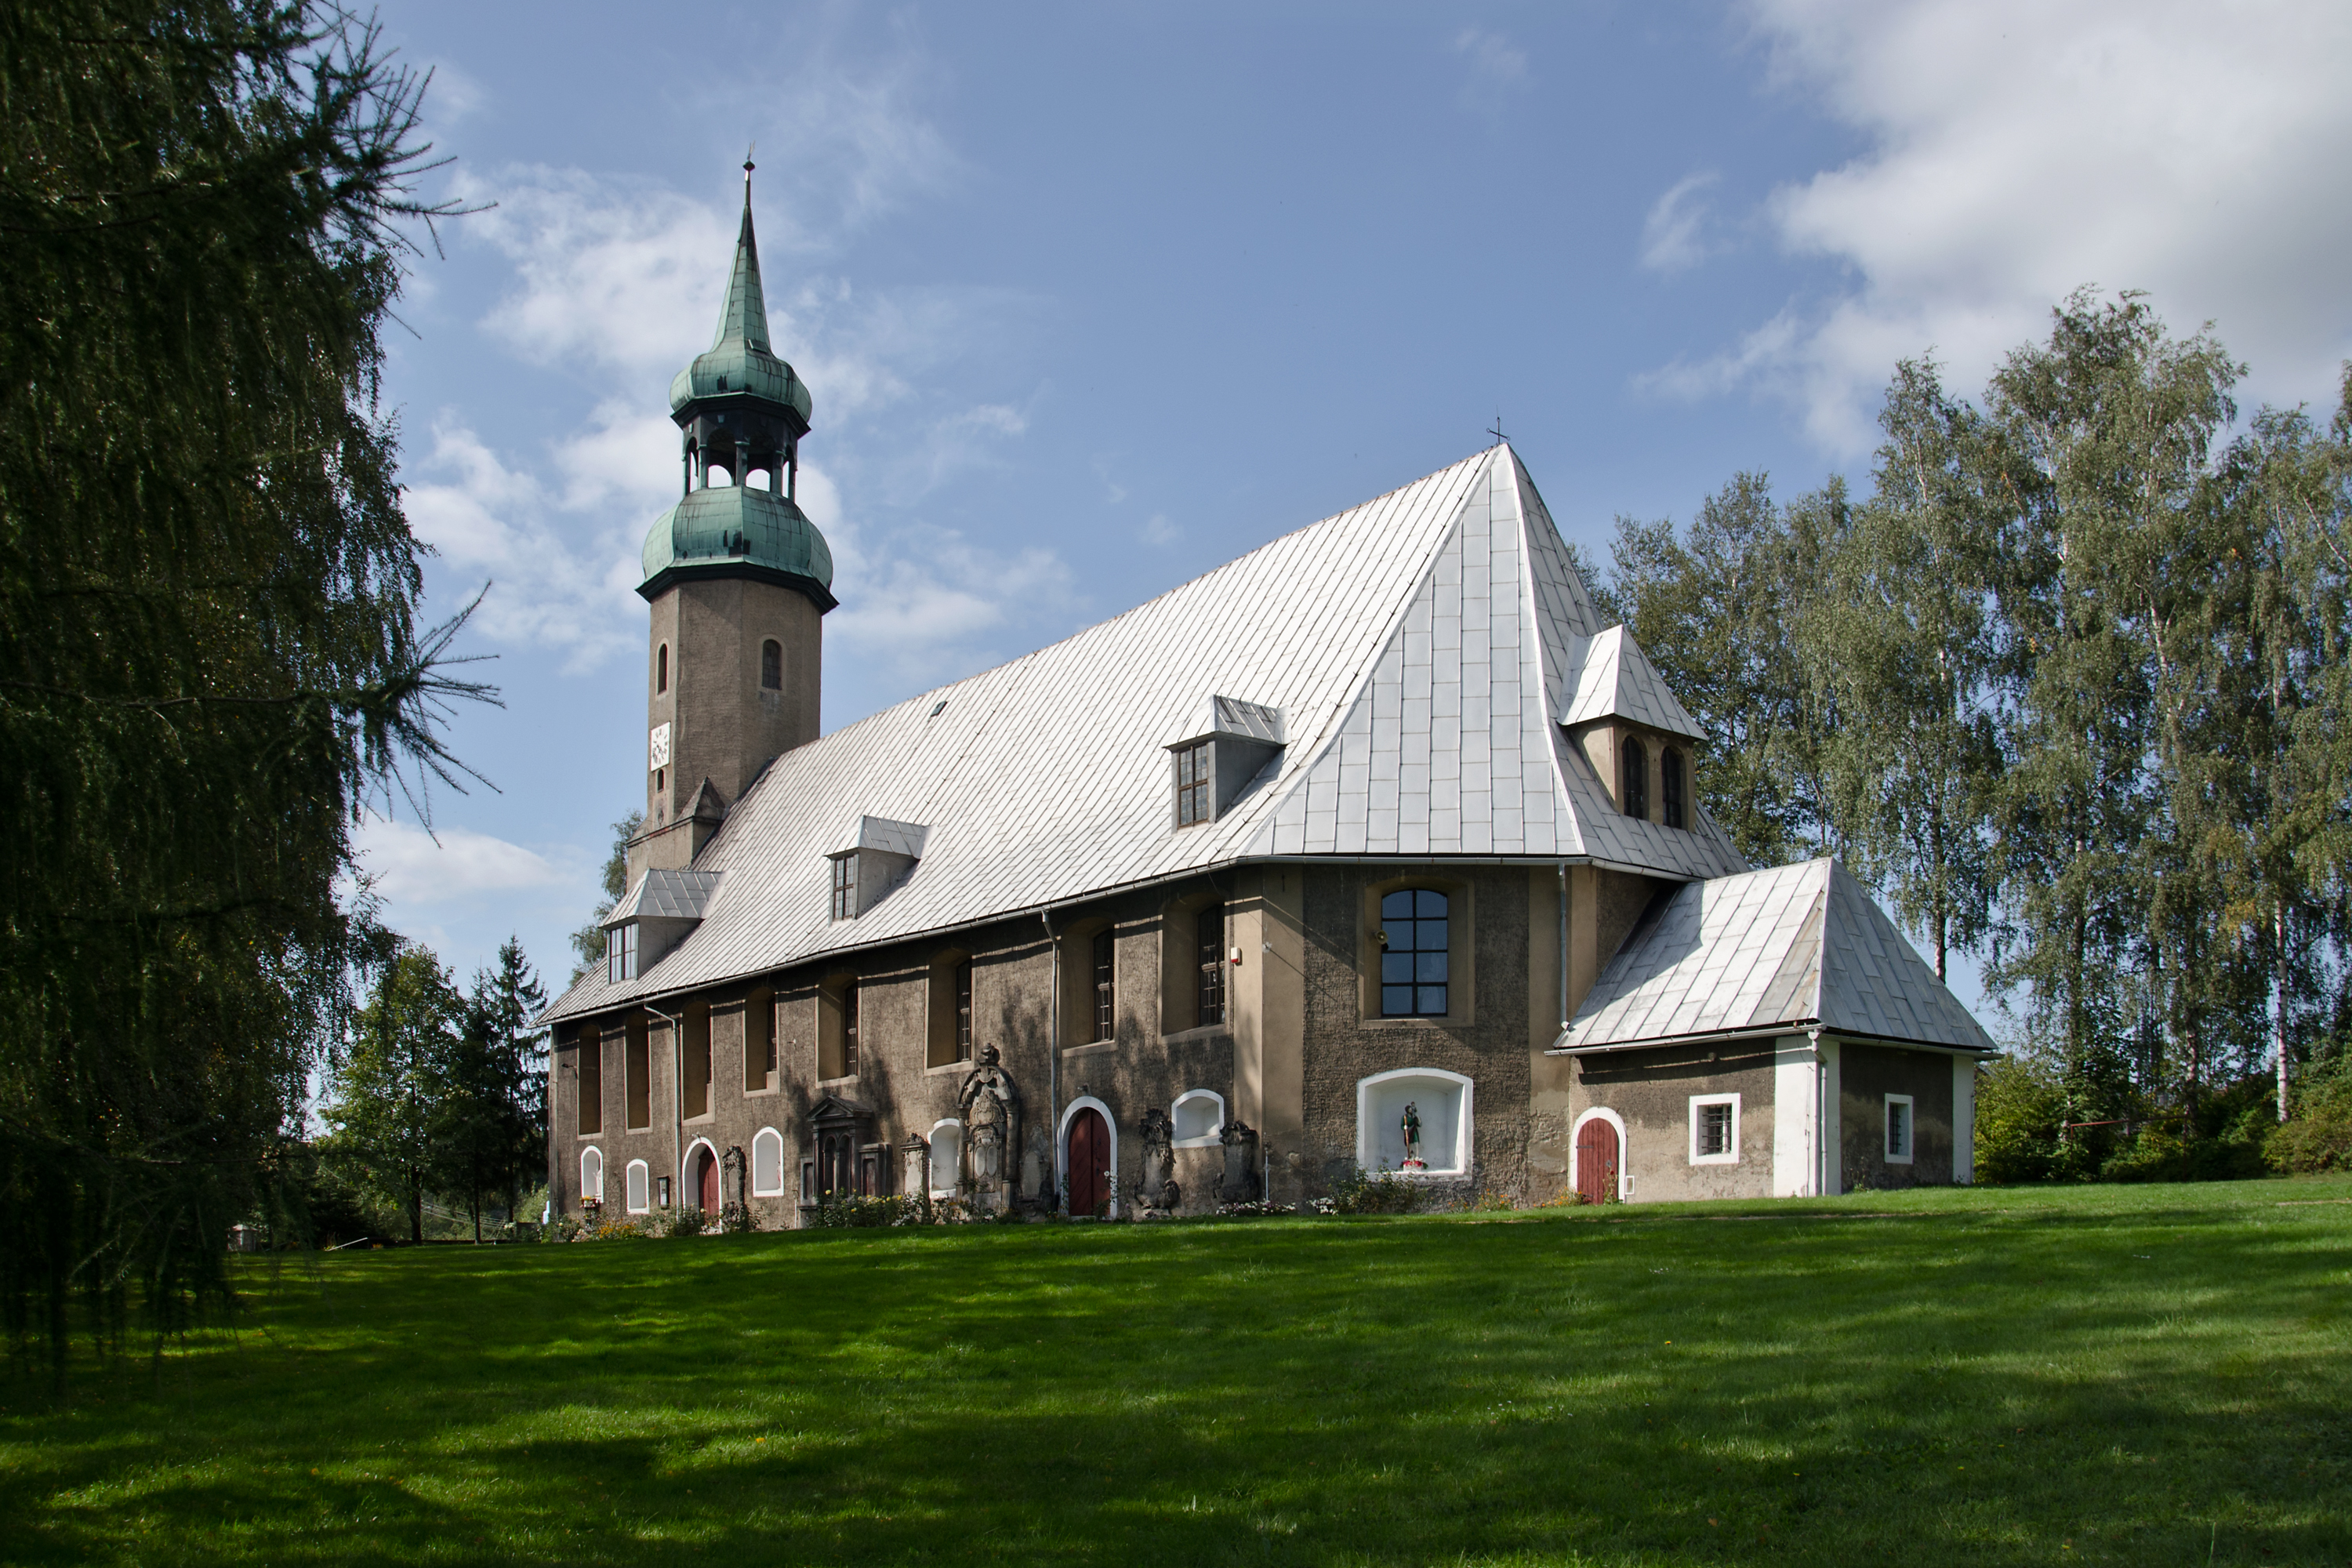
[
  {"x": 1053, "y": 1068},
  {"x": 1563, "y": 947}
]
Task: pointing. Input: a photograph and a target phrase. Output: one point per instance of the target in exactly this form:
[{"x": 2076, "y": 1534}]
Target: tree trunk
[{"x": 2278, "y": 1028}]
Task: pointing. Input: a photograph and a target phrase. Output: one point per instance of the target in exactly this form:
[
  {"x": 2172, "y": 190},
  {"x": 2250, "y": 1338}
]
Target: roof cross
[{"x": 1497, "y": 431}]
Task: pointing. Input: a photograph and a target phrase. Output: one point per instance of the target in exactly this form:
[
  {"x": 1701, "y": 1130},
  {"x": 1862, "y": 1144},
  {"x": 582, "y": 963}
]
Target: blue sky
[{"x": 1093, "y": 298}]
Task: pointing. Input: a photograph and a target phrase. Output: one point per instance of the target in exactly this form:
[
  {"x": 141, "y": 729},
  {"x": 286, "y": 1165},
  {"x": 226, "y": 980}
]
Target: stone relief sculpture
[
  {"x": 1158, "y": 1193},
  {"x": 730, "y": 1177},
  {"x": 1242, "y": 1183},
  {"x": 991, "y": 1119}
]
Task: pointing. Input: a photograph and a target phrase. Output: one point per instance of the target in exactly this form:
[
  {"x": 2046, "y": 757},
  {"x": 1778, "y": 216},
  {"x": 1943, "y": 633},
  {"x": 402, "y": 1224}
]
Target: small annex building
[{"x": 1371, "y": 848}]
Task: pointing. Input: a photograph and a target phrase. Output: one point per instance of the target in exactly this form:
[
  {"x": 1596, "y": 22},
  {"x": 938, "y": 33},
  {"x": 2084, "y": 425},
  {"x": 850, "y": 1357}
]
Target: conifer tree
[{"x": 208, "y": 651}]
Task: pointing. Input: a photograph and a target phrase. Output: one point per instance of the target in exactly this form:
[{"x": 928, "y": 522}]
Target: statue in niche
[
  {"x": 1158, "y": 1191},
  {"x": 1411, "y": 1128},
  {"x": 991, "y": 1121},
  {"x": 731, "y": 1178},
  {"x": 1242, "y": 1183}
]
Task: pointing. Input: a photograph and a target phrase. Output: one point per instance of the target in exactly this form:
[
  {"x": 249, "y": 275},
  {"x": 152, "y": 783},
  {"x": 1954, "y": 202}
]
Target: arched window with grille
[
  {"x": 591, "y": 1175},
  {"x": 661, "y": 670},
  {"x": 772, "y": 665},
  {"x": 1416, "y": 964},
  {"x": 1670, "y": 786}
]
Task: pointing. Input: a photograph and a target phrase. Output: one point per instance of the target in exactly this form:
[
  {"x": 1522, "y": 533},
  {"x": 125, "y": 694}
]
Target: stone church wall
[{"x": 1867, "y": 1075}]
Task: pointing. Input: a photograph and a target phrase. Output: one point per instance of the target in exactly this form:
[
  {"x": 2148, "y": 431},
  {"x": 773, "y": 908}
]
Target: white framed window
[
  {"x": 1439, "y": 1103},
  {"x": 1714, "y": 1130},
  {"x": 639, "y": 1196},
  {"x": 1198, "y": 1115},
  {"x": 1900, "y": 1133},
  {"x": 947, "y": 1157},
  {"x": 591, "y": 1175},
  {"x": 767, "y": 1163}
]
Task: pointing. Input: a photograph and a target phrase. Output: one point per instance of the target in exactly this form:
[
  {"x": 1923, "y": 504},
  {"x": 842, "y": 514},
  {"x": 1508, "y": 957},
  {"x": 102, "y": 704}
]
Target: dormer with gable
[{"x": 1629, "y": 727}]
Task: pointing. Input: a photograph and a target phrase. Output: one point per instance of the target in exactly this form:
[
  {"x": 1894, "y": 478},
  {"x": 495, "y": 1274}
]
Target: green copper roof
[
  {"x": 739, "y": 358},
  {"x": 734, "y": 531}
]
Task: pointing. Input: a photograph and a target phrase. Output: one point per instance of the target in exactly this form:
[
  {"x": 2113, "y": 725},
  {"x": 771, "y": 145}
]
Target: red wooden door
[
  {"x": 1596, "y": 1161},
  {"x": 1090, "y": 1162},
  {"x": 707, "y": 1181}
]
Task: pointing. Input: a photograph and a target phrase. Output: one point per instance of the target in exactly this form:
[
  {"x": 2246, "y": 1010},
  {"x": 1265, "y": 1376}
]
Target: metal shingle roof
[
  {"x": 1794, "y": 944},
  {"x": 1415, "y": 647}
]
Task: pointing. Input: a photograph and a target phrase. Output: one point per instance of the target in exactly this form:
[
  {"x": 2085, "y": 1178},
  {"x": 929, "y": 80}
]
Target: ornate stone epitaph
[{"x": 991, "y": 1119}]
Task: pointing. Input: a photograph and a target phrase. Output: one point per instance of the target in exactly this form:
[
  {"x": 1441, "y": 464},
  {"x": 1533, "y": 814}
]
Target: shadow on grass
[{"x": 1990, "y": 1382}]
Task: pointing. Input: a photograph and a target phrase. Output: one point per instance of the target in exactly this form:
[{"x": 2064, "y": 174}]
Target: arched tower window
[
  {"x": 1670, "y": 785},
  {"x": 772, "y": 665},
  {"x": 661, "y": 670},
  {"x": 1634, "y": 762}
]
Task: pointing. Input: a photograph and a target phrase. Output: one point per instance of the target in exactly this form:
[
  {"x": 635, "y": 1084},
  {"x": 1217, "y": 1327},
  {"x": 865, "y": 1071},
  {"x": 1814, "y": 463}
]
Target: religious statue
[
  {"x": 1158, "y": 1191},
  {"x": 1241, "y": 1182},
  {"x": 991, "y": 1119},
  {"x": 1411, "y": 1127}
]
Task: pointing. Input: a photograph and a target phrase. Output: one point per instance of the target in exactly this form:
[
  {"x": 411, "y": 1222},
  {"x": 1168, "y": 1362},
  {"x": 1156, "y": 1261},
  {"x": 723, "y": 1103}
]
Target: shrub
[
  {"x": 2021, "y": 1104},
  {"x": 735, "y": 1219},
  {"x": 2318, "y": 1136},
  {"x": 1363, "y": 1192},
  {"x": 1257, "y": 1208}
]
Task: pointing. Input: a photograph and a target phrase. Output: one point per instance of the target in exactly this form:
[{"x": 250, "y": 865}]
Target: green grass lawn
[{"x": 2141, "y": 1376}]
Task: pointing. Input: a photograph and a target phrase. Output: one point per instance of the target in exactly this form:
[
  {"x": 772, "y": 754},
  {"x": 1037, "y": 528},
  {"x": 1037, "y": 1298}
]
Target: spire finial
[{"x": 749, "y": 148}]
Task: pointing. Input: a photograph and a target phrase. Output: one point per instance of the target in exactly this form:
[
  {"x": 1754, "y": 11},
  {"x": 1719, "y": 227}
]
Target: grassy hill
[{"x": 2150, "y": 1375}]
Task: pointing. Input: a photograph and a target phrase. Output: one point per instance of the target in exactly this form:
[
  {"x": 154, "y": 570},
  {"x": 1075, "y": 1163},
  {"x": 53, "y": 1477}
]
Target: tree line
[
  {"x": 2068, "y": 687},
  {"x": 436, "y": 1093}
]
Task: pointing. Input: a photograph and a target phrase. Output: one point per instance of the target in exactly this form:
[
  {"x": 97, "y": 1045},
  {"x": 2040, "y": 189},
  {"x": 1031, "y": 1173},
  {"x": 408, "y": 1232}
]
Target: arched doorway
[
  {"x": 1090, "y": 1162},
  {"x": 706, "y": 1181},
  {"x": 1596, "y": 1161}
]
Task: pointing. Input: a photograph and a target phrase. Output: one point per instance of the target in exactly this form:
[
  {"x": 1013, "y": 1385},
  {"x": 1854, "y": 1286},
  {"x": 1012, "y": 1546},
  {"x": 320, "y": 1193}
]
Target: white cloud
[
  {"x": 2019, "y": 150},
  {"x": 1495, "y": 62},
  {"x": 930, "y": 605},
  {"x": 1671, "y": 241},
  {"x": 1160, "y": 532},
  {"x": 409, "y": 868}
]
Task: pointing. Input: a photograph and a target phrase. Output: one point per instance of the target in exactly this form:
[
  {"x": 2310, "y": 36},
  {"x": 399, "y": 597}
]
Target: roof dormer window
[
  {"x": 1196, "y": 788},
  {"x": 620, "y": 954},
  {"x": 1214, "y": 764},
  {"x": 881, "y": 854}
]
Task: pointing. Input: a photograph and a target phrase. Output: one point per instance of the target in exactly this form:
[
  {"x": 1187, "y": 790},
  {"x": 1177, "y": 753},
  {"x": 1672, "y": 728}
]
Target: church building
[{"x": 1370, "y": 849}]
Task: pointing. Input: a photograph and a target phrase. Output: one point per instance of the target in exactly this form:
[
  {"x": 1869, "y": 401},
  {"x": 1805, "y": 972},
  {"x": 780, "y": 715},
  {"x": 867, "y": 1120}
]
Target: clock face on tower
[{"x": 658, "y": 748}]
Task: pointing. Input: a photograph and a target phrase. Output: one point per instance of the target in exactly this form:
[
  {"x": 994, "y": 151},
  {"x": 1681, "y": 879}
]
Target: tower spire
[{"x": 745, "y": 315}]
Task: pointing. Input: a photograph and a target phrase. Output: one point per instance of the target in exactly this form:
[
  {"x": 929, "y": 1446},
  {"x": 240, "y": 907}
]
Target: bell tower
[{"x": 739, "y": 580}]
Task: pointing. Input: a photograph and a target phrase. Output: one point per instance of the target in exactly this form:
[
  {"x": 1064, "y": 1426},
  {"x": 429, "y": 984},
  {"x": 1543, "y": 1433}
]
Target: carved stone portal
[
  {"x": 1158, "y": 1191},
  {"x": 1242, "y": 1183},
  {"x": 991, "y": 1119}
]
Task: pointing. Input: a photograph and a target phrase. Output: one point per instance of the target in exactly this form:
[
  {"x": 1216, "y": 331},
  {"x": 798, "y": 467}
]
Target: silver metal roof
[
  {"x": 890, "y": 837},
  {"x": 1611, "y": 677},
  {"x": 1419, "y": 650},
  {"x": 666, "y": 895},
  {"x": 1797, "y": 944}
]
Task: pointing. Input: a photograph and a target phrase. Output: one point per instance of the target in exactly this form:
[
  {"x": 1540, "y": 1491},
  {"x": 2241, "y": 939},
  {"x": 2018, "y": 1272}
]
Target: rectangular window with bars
[
  {"x": 1196, "y": 790},
  {"x": 963, "y": 1011},
  {"x": 1714, "y": 1130},
  {"x": 1104, "y": 997},
  {"x": 1209, "y": 941},
  {"x": 845, "y": 887},
  {"x": 1899, "y": 1131}
]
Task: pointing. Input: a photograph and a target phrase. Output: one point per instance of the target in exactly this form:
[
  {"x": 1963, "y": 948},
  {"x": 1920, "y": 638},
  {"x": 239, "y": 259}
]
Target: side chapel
[{"x": 1371, "y": 848}]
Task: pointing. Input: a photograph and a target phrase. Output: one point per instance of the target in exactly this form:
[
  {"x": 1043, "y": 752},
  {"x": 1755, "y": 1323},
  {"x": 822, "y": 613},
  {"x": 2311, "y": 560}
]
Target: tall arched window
[
  {"x": 1634, "y": 763},
  {"x": 772, "y": 665},
  {"x": 661, "y": 670},
  {"x": 639, "y": 1198},
  {"x": 1670, "y": 783},
  {"x": 1416, "y": 934},
  {"x": 591, "y": 1175}
]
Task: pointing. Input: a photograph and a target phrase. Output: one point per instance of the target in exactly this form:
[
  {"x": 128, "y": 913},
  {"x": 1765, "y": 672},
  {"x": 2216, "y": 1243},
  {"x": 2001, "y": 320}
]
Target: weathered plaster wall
[
  {"x": 1867, "y": 1075},
  {"x": 1651, "y": 1091}
]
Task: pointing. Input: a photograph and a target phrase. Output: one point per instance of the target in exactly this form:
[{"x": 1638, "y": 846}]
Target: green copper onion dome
[
  {"x": 733, "y": 530},
  {"x": 741, "y": 410}
]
